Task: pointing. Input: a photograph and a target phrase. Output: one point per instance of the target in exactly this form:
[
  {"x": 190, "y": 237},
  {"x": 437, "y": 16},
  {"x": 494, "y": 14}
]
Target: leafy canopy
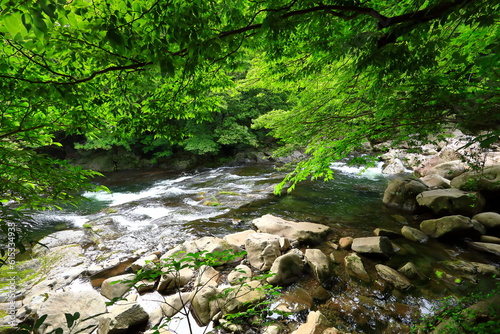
[{"x": 121, "y": 69}]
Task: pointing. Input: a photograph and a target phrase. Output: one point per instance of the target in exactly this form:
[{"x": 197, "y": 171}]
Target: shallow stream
[{"x": 155, "y": 210}]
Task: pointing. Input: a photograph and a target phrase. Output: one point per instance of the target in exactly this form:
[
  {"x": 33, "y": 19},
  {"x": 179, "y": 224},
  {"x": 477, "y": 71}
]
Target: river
[{"x": 156, "y": 209}]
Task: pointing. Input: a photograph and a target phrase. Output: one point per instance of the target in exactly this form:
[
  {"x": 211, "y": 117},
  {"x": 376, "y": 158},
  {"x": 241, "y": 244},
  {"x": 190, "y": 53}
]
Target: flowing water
[{"x": 154, "y": 210}]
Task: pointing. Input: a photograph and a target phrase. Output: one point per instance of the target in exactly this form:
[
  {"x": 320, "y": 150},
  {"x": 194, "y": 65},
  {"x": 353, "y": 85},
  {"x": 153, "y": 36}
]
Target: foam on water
[{"x": 372, "y": 173}]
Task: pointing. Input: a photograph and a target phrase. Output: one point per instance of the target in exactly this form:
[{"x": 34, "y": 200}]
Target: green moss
[{"x": 228, "y": 193}]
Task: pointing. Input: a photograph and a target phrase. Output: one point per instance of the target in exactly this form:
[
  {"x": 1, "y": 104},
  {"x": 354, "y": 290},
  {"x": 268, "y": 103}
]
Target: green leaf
[
  {"x": 488, "y": 141},
  {"x": 39, "y": 321}
]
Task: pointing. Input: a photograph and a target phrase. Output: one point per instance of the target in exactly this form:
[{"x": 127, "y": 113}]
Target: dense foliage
[{"x": 156, "y": 70}]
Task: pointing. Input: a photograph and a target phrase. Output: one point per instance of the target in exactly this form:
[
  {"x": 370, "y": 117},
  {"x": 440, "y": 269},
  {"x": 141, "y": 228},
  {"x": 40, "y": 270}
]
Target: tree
[{"x": 357, "y": 69}]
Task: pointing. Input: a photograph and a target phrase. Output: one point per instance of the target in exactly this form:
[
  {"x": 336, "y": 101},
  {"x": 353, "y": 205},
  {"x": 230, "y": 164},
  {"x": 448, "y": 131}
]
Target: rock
[
  {"x": 451, "y": 201},
  {"x": 207, "y": 276},
  {"x": 87, "y": 302},
  {"x": 239, "y": 299},
  {"x": 319, "y": 264},
  {"x": 355, "y": 268},
  {"x": 204, "y": 304},
  {"x": 401, "y": 192},
  {"x": 143, "y": 262},
  {"x": 208, "y": 244},
  {"x": 316, "y": 323},
  {"x": 448, "y": 226},
  {"x": 271, "y": 329},
  {"x": 286, "y": 269},
  {"x": 486, "y": 247},
  {"x": 112, "y": 290},
  {"x": 410, "y": 270},
  {"x": 151, "y": 303},
  {"x": 121, "y": 317},
  {"x": 373, "y": 245},
  {"x": 262, "y": 249},
  {"x": 238, "y": 239},
  {"x": 382, "y": 232},
  {"x": 392, "y": 276},
  {"x": 491, "y": 220},
  {"x": 304, "y": 232},
  {"x": 434, "y": 181},
  {"x": 346, "y": 242},
  {"x": 448, "y": 170},
  {"x": 394, "y": 166},
  {"x": 174, "y": 279},
  {"x": 490, "y": 239},
  {"x": 487, "y": 179},
  {"x": 175, "y": 303},
  {"x": 471, "y": 267},
  {"x": 61, "y": 238},
  {"x": 413, "y": 234},
  {"x": 239, "y": 274}
]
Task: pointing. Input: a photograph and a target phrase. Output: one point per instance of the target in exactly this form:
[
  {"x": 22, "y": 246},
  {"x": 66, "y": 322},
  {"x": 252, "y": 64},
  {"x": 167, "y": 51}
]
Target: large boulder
[
  {"x": 262, "y": 249},
  {"x": 401, "y": 192},
  {"x": 207, "y": 244},
  {"x": 434, "y": 181},
  {"x": 304, "y": 232},
  {"x": 450, "y": 226},
  {"x": 286, "y": 269},
  {"x": 238, "y": 239},
  {"x": 61, "y": 238},
  {"x": 121, "y": 317},
  {"x": 451, "y": 202},
  {"x": 373, "y": 245},
  {"x": 316, "y": 323}
]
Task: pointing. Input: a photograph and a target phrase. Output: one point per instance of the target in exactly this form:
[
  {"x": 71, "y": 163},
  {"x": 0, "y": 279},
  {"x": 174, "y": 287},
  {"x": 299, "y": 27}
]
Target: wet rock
[
  {"x": 393, "y": 166},
  {"x": 355, "y": 268},
  {"x": 486, "y": 247},
  {"x": 145, "y": 285},
  {"x": 471, "y": 267},
  {"x": 287, "y": 269},
  {"x": 410, "y": 270},
  {"x": 392, "y": 276},
  {"x": 121, "y": 317},
  {"x": 295, "y": 300},
  {"x": 401, "y": 192},
  {"x": 346, "y": 242},
  {"x": 452, "y": 202},
  {"x": 316, "y": 323},
  {"x": 491, "y": 220},
  {"x": 319, "y": 264},
  {"x": 413, "y": 234},
  {"x": 111, "y": 290},
  {"x": 456, "y": 225},
  {"x": 239, "y": 274},
  {"x": 382, "y": 232},
  {"x": 87, "y": 302},
  {"x": 320, "y": 294},
  {"x": 373, "y": 245},
  {"x": 304, "y": 232},
  {"x": 262, "y": 249},
  {"x": 238, "y": 239},
  {"x": 435, "y": 181},
  {"x": 151, "y": 303}
]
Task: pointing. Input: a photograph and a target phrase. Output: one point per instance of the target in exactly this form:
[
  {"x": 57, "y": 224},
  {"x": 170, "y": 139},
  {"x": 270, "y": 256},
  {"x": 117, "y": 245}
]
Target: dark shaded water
[{"x": 157, "y": 209}]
